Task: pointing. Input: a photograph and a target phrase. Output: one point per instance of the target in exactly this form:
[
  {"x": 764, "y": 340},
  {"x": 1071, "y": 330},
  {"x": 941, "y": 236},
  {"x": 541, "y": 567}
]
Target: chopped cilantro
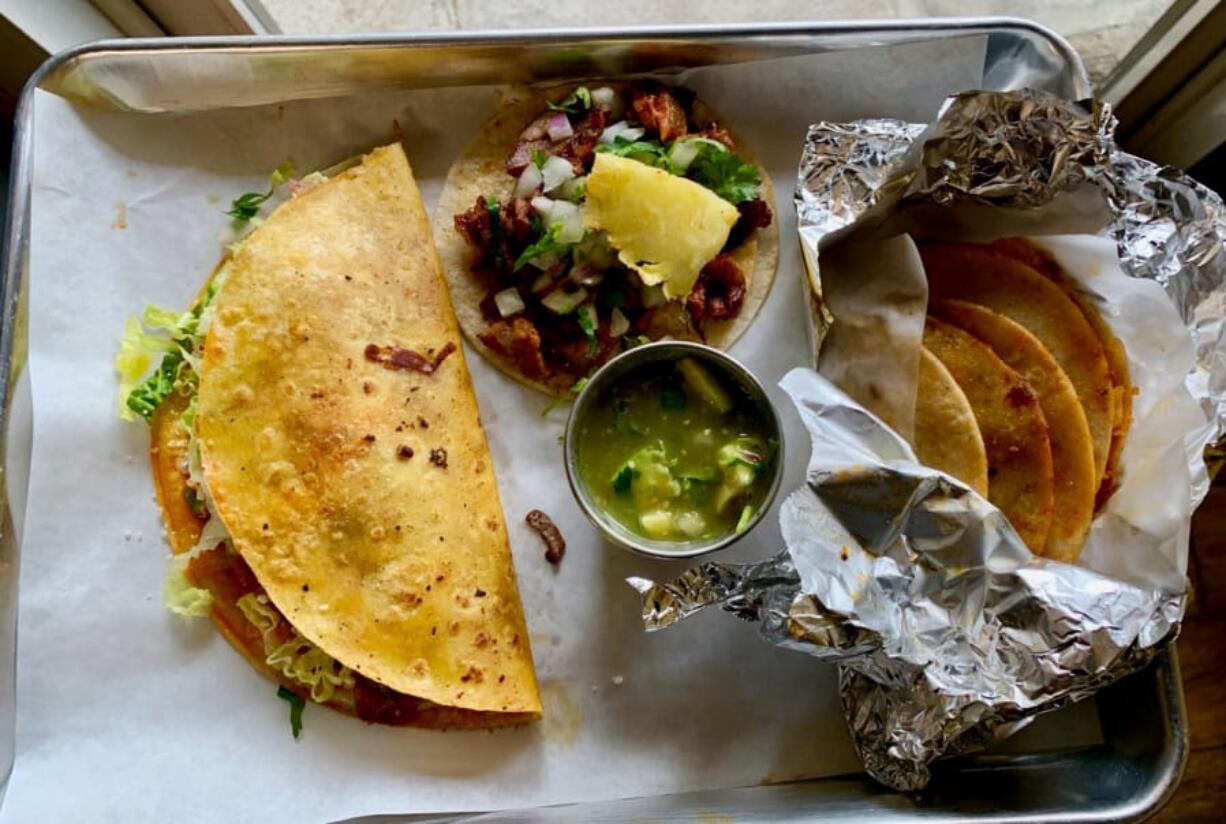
[
  {"x": 580, "y": 100},
  {"x": 546, "y": 244},
  {"x": 587, "y": 322},
  {"x": 650, "y": 152},
  {"x": 726, "y": 173},
  {"x": 296, "y": 704},
  {"x": 539, "y": 156},
  {"x": 716, "y": 167}
]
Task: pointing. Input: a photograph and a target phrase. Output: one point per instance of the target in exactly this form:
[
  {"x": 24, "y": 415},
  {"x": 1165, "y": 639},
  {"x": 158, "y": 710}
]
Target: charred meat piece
[
  {"x": 474, "y": 225},
  {"x": 519, "y": 340},
  {"x": 659, "y": 111},
  {"x": 515, "y": 217},
  {"x": 719, "y": 292},
  {"x": 580, "y": 147},
  {"x": 555, "y": 544},
  {"x": 754, "y": 214},
  {"x": 498, "y": 233},
  {"x": 377, "y": 704}
]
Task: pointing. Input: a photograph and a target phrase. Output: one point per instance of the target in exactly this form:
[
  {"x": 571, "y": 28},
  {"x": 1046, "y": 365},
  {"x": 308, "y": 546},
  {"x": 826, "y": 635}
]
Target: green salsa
[{"x": 673, "y": 451}]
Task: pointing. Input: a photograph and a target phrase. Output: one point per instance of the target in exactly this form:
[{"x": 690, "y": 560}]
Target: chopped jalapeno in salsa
[{"x": 675, "y": 452}]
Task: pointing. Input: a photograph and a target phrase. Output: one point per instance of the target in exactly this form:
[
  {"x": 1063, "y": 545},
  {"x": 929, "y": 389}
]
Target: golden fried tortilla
[
  {"x": 1072, "y": 457},
  {"x": 1003, "y": 284},
  {"x": 946, "y": 436},
  {"x": 1117, "y": 358},
  {"x": 355, "y": 481},
  {"x": 1020, "y": 477}
]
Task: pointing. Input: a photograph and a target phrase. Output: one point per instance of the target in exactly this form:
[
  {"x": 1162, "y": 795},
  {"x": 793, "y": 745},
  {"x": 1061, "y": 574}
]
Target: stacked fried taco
[
  {"x": 323, "y": 475},
  {"x": 583, "y": 220},
  {"x": 1044, "y": 378}
]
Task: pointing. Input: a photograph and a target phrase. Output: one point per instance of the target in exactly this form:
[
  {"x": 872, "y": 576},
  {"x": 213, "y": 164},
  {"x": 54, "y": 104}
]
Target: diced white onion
[
  {"x": 543, "y": 206},
  {"x": 509, "y": 302},
  {"x": 569, "y": 217},
  {"x": 653, "y": 296},
  {"x": 619, "y": 324},
  {"x": 683, "y": 151},
  {"x": 529, "y": 181},
  {"x": 562, "y": 302},
  {"x": 603, "y": 97},
  {"x": 620, "y": 129},
  {"x": 558, "y": 127},
  {"x": 573, "y": 189},
  {"x": 691, "y": 523},
  {"x": 682, "y": 154},
  {"x": 555, "y": 172}
]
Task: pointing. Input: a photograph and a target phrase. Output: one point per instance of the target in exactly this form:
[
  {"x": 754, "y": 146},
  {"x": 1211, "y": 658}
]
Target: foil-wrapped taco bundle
[{"x": 949, "y": 632}]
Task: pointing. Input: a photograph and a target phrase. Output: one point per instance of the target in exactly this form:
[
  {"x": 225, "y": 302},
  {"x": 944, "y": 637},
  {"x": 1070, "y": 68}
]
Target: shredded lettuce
[
  {"x": 247, "y": 205},
  {"x": 261, "y": 615},
  {"x": 178, "y": 337},
  {"x": 136, "y": 352},
  {"x": 180, "y": 595},
  {"x": 310, "y": 666},
  {"x": 297, "y": 658}
]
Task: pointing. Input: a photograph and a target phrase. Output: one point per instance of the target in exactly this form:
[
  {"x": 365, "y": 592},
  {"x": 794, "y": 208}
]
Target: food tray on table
[{"x": 1141, "y": 727}]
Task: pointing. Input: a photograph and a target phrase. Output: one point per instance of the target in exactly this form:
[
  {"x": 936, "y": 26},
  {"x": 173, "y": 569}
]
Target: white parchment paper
[{"x": 126, "y": 713}]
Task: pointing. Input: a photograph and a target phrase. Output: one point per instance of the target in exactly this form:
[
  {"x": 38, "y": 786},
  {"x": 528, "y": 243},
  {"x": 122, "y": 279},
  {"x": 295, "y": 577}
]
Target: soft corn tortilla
[
  {"x": 1117, "y": 357},
  {"x": 946, "y": 436},
  {"x": 1020, "y": 477},
  {"x": 1072, "y": 457},
  {"x": 976, "y": 274},
  {"x": 481, "y": 170},
  {"x": 398, "y": 568}
]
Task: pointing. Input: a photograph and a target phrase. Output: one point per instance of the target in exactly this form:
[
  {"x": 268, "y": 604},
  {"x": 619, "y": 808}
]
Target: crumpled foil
[{"x": 948, "y": 634}]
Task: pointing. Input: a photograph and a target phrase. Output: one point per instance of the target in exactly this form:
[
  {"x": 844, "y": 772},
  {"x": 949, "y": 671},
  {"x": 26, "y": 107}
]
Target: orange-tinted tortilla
[
  {"x": 1072, "y": 457},
  {"x": 1020, "y": 477},
  {"x": 977, "y": 274},
  {"x": 1117, "y": 357}
]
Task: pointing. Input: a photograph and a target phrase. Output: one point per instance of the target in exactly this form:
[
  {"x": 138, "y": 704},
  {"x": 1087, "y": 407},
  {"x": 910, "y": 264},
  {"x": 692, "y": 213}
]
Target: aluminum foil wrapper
[{"x": 947, "y": 632}]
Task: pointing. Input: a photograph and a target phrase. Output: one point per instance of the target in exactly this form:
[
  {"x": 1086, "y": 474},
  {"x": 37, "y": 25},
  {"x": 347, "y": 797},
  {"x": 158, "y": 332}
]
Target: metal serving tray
[{"x": 1144, "y": 737}]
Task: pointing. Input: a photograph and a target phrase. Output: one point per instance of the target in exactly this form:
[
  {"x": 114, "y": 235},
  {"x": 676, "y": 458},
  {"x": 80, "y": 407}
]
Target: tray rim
[{"x": 14, "y": 257}]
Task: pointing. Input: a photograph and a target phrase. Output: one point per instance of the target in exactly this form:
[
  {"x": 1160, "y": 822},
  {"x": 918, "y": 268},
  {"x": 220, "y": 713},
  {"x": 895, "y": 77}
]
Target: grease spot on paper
[{"x": 561, "y": 720}]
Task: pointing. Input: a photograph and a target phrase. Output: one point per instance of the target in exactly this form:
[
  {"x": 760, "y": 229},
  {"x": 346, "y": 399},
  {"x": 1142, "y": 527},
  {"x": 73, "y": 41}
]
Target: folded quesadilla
[
  {"x": 318, "y": 456},
  {"x": 584, "y": 220}
]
